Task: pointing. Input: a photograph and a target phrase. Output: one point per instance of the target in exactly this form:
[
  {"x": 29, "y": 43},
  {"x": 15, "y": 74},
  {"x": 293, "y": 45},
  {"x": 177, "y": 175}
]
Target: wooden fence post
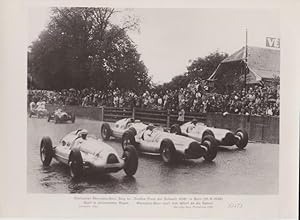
[
  {"x": 168, "y": 118},
  {"x": 101, "y": 113},
  {"x": 133, "y": 113}
]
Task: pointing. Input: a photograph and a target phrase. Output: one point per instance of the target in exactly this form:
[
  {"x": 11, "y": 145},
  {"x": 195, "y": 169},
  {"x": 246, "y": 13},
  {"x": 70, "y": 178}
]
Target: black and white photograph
[
  {"x": 153, "y": 101},
  {"x": 138, "y": 109}
]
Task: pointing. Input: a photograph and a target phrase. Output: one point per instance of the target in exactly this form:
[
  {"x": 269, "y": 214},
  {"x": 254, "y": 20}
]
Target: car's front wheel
[
  {"x": 73, "y": 118},
  {"x": 243, "y": 138},
  {"x": 49, "y": 117},
  {"x": 207, "y": 132},
  {"x": 131, "y": 160},
  {"x": 46, "y": 151},
  {"x": 105, "y": 131},
  {"x": 75, "y": 164},
  {"x": 167, "y": 151},
  {"x": 212, "y": 147}
]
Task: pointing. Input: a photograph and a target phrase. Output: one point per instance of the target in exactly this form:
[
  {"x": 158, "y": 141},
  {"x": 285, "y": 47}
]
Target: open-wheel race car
[
  {"x": 60, "y": 116},
  {"x": 81, "y": 151},
  {"x": 224, "y": 137},
  {"x": 120, "y": 127},
  {"x": 171, "y": 147}
]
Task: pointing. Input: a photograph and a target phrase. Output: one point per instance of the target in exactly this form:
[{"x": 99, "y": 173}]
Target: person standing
[{"x": 180, "y": 118}]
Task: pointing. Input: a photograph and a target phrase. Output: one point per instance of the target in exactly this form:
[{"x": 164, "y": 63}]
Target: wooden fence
[{"x": 262, "y": 129}]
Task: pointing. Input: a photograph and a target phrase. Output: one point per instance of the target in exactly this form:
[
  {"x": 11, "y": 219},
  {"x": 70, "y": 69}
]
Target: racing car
[
  {"x": 81, "y": 151},
  {"x": 61, "y": 116},
  {"x": 171, "y": 147},
  {"x": 224, "y": 137},
  {"x": 120, "y": 127}
]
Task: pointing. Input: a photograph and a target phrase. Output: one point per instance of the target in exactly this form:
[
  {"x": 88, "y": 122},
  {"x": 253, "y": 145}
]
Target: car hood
[
  {"x": 178, "y": 140},
  {"x": 95, "y": 146},
  {"x": 200, "y": 128}
]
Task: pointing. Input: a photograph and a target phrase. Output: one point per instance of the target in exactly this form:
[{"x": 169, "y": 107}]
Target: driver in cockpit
[
  {"x": 148, "y": 133},
  {"x": 192, "y": 125},
  {"x": 81, "y": 136}
]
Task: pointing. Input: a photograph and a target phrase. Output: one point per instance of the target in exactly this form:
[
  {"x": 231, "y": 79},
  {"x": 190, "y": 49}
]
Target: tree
[
  {"x": 200, "y": 69},
  {"x": 204, "y": 67},
  {"x": 82, "y": 48}
]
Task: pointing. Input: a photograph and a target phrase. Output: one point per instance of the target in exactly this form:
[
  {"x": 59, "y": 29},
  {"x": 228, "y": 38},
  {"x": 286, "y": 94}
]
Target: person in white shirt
[{"x": 32, "y": 106}]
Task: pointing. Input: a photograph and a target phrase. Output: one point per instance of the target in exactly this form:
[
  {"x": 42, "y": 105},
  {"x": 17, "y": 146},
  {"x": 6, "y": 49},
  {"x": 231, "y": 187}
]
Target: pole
[{"x": 246, "y": 59}]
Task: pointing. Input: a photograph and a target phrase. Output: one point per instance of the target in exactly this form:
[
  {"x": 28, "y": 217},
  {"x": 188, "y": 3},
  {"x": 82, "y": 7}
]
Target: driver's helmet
[
  {"x": 150, "y": 127},
  {"x": 82, "y": 133},
  {"x": 131, "y": 120},
  {"x": 194, "y": 121}
]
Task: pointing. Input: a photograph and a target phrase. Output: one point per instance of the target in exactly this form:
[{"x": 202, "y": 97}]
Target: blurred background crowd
[{"x": 255, "y": 100}]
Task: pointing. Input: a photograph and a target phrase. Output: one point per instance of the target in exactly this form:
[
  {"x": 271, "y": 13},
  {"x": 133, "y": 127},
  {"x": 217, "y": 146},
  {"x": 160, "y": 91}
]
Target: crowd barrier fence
[{"x": 259, "y": 128}]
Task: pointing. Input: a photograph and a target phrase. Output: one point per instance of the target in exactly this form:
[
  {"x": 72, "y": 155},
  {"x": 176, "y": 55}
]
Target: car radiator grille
[{"x": 112, "y": 159}]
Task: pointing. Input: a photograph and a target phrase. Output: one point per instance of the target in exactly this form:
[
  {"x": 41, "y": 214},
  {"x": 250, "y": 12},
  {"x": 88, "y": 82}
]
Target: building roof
[{"x": 264, "y": 62}]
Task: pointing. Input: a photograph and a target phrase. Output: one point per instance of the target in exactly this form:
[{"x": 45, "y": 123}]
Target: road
[{"x": 250, "y": 171}]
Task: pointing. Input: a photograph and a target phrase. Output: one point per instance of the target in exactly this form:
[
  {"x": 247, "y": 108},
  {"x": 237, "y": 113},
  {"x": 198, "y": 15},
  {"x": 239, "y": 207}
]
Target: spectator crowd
[{"x": 255, "y": 100}]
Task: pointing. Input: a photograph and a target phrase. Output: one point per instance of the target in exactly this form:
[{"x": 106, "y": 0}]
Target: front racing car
[
  {"x": 82, "y": 152},
  {"x": 224, "y": 137}
]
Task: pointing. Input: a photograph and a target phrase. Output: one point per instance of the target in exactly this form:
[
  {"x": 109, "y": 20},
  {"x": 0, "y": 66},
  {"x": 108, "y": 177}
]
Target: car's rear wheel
[
  {"x": 132, "y": 130},
  {"x": 46, "y": 151},
  {"x": 105, "y": 131},
  {"x": 73, "y": 118},
  {"x": 243, "y": 138},
  {"x": 207, "y": 132},
  {"x": 128, "y": 139},
  {"x": 167, "y": 151},
  {"x": 75, "y": 164},
  {"x": 56, "y": 120},
  {"x": 175, "y": 129},
  {"x": 211, "y": 144},
  {"x": 130, "y": 157}
]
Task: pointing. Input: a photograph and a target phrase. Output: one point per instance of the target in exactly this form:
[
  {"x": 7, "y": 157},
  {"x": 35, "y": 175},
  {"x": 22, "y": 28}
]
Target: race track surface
[{"x": 250, "y": 171}]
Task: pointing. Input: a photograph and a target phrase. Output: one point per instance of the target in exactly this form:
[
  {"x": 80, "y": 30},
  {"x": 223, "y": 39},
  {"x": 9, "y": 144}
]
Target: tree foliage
[
  {"x": 81, "y": 47},
  {"x": 200, "y": 69}
]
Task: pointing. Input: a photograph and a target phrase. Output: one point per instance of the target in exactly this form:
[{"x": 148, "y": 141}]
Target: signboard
[{"x": 273, "y": 42}]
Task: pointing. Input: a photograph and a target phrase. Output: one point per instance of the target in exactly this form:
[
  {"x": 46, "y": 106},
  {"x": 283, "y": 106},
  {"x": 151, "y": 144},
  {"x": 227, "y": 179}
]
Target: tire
[
  {"x": 128, "y": 139},
  {"x": 207, "y": 132},
  {"x": 49, "y": 117},
  {"x": 73, "y": 118},
  {"x": 242, "y": 133},
  {"x": 167, "y": 151},
  {"x": 105, "y": 131},
  {"x": 133, "y": 131},
  {"x": 212, "y": 147},
  {"x": 175, "y": 129},
  {"x": 131, "y": 160},
  {"x": 46, "y": 151},
  {"x": 56, "y": 119},
  {"x": 75, "y": 164}
]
